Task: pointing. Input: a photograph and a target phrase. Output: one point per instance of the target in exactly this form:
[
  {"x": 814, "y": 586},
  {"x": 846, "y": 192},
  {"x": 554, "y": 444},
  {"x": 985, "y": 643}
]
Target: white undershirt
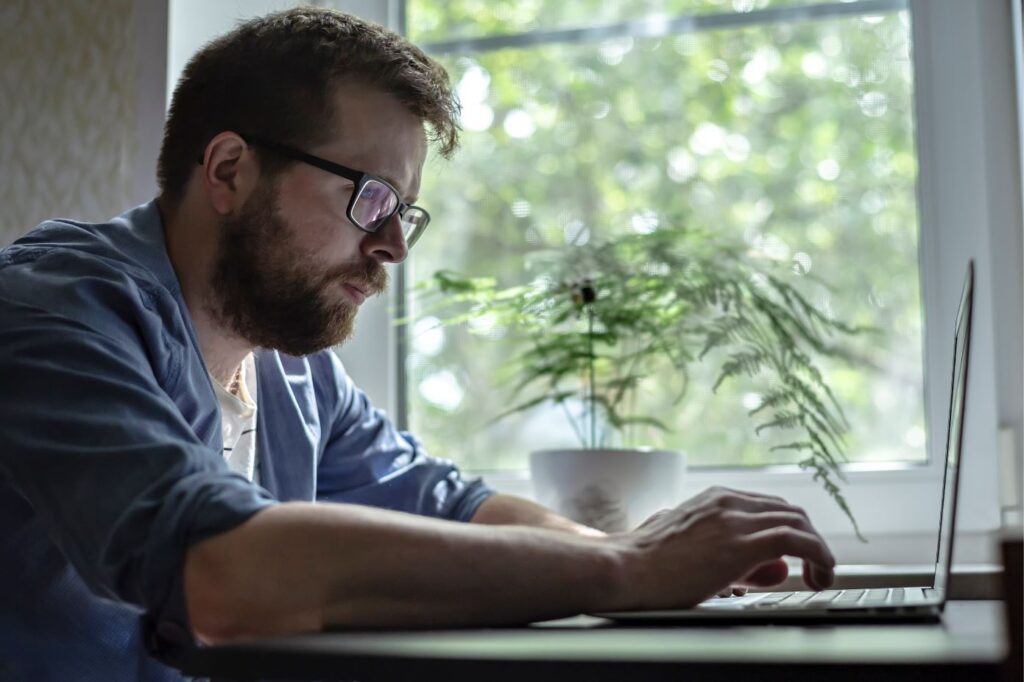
[{"x": 238, "y": 422}]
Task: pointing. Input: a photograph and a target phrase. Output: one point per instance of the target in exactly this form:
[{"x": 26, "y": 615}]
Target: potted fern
[{"x": 600, "y": 319}]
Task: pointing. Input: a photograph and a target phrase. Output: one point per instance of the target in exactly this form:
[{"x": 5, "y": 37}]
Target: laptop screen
[{"x": 954, "y": 433}]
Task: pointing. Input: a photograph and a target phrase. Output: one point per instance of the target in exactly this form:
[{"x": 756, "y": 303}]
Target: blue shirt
[{"x": 110, "y": 452}]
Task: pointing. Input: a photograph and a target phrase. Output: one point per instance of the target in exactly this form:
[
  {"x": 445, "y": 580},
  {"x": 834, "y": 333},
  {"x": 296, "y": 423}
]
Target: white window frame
[{"x": 969, "y": 199}]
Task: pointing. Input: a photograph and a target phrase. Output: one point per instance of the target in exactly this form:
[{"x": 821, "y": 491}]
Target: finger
[
  {"x": 752, "y": 522},
  {"x": 817, "y": 577},
  {"x": 767, "y": 574},
  {"x": 738, "y": 591},
  {"x": 774, "y": 543}
]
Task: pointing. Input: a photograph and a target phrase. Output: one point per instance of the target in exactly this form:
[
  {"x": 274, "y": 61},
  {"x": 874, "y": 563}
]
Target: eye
[{"x": 374, "y": 191}]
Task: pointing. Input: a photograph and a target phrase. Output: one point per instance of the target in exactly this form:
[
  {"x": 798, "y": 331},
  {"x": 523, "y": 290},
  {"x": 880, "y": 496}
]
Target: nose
[{"x": 387, "y": 244}]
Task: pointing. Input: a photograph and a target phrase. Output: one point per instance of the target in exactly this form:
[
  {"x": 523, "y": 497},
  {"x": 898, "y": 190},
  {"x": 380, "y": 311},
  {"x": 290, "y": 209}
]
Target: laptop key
[
  {"x": 796, "y": 600},
  {"x": 824, "y": 597},
  {"x": 879, "y": 595},
  {"x": 771, "y": 599},
  {"x": 848, "y": 597}
]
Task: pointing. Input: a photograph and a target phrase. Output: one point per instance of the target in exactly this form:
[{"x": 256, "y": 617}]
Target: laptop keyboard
[{"x": 826, "y": 599}]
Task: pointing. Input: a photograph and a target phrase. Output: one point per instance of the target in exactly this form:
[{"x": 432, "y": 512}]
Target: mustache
[{"x": 370, "y": 276}]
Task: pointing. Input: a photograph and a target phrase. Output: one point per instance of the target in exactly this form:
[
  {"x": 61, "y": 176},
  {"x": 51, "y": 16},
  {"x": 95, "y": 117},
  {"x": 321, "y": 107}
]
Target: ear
[{"x": 230, "y": 172}]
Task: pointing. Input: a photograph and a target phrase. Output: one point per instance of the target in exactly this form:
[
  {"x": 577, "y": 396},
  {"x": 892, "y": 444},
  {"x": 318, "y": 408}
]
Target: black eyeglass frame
[{"x": 360, "y": 178}]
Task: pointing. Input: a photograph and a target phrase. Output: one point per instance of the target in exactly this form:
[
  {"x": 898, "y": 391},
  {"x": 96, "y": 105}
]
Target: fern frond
[
  {"x": 773, "y": 399},
  {"x": 781, "y": 420},
  {"x": 821, "y": 474},
  {"x": 722, "y": 331},
  {"x": 749, "y": 363}
]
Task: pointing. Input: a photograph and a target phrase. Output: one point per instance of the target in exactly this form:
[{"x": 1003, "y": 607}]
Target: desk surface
[{"x": 968, "y": 645}]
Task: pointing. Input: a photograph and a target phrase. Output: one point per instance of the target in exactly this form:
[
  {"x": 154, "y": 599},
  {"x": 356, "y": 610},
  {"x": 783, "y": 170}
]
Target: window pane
[{"x": 796, "y": 137}]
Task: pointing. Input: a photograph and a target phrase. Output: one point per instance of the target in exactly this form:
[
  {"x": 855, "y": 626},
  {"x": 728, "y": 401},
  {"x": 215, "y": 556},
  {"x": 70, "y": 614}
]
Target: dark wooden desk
[{"x": 968, "y": 645}]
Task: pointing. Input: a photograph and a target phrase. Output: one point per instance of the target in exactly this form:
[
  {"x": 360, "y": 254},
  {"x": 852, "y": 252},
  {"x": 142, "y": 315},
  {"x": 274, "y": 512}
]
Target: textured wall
[{"x": 67, "y": 111}]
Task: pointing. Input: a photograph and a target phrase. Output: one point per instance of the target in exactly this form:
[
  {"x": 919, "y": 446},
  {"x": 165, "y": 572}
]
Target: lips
[
  {"x": 361, "y": 289},
  {"x": 357, "y": 293},
  {"x": 360, "y": 283}
]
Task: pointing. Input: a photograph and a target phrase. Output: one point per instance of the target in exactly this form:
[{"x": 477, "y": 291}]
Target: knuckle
[
  {"x": 794, "y": 519},
  {"x": 782, "y": 534},
  {"x": 709, "y": 513},
  {"x": 724, "y": 498},
  {"x": 714, "y": 492},
  {"x": 796, "y": 509},
  {"x": 730, "y": 519}
]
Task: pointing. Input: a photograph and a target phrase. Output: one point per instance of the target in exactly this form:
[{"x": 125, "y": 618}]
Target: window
[{"x": 788, "y": 126}]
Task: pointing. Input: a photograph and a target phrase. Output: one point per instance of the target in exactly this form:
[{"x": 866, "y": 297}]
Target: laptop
[{"x": 885, "y": 603}]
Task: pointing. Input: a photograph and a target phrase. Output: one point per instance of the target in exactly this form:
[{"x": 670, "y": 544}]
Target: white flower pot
[{"x": 611, "y": 490}]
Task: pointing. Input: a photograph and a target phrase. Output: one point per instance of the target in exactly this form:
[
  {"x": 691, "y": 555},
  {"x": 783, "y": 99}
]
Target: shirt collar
[{"x": 145, "y": 242}]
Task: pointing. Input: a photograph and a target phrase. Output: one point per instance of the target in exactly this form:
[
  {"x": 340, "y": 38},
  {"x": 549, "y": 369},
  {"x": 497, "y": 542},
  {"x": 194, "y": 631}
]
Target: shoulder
[
  {"x": 77, "y": 278},
  {"x": 126, "y": 254},
  {"x": 77, "y": 286},
  {"x": 128, "y": 249}
]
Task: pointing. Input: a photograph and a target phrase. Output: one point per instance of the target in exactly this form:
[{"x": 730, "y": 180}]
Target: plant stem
[
  {"x": 575, "y": 427},
  {"x": 593, "y": 394}
]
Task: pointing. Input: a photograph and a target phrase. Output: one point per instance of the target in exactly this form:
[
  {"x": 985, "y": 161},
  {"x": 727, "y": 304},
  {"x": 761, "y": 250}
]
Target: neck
[{"x": 191, "y": 238}]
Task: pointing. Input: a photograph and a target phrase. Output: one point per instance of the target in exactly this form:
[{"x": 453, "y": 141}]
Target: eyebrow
[
  {"x": 391, "y": 181},
  {"x": 395, "y": 185}
]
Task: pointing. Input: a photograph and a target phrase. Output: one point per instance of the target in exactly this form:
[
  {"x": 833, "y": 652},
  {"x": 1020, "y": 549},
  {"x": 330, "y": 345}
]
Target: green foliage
[
  {"x": 599, "y": 319},
  {"x": 794, "y": 138}
]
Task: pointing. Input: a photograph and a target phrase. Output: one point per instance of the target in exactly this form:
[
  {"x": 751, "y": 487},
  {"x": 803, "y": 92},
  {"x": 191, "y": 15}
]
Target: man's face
[{"x": 291, "y": 270}]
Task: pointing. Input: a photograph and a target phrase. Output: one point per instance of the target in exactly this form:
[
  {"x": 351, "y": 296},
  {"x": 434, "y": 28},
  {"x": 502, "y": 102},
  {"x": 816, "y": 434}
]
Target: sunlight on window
[
  {"x": 681, "y": 165},
  {"x": 427, "y": 336},
  {"x": 644, "y": 222},
  {"x": 442, "y": 390},
  {"x": 519, "y": 123}
]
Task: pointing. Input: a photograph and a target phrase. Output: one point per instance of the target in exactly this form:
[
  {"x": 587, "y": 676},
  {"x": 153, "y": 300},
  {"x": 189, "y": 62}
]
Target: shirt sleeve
[
  {"x": 367, "y": 460},
  {"x": 100, "y": 450}
]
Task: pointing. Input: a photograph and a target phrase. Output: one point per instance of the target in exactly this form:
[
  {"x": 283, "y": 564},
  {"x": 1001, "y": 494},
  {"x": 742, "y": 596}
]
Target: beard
[{"x": 275, "y": 294}]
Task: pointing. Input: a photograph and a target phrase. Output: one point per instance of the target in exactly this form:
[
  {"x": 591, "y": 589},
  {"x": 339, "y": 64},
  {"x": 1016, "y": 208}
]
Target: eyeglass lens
[
  {"x": 376, "y": 203},
  {"x": 414, "y": 221}
]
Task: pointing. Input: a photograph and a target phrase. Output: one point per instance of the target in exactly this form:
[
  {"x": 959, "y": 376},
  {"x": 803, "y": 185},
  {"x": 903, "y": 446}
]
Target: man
[{"x": 183, "y": 457}]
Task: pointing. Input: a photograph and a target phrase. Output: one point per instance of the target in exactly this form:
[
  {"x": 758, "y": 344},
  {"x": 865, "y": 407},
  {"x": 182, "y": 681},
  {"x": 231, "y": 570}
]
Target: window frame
[{"x": 958, "y": 99}]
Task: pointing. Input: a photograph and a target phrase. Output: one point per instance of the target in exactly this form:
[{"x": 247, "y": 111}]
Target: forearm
[
  {"x": 302, "y": 567},
  {"x": 516, "y": 511}
]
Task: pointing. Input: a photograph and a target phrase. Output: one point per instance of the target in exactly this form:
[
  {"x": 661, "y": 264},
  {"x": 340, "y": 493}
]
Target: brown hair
[{"x": 272, "y": 76}]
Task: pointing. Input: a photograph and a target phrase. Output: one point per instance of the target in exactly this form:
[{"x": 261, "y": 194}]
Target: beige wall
[{"x": 69, "y": 73}]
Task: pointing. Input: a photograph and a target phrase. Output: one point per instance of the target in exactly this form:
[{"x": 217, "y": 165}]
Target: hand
[{"x": 717, "y": 540}]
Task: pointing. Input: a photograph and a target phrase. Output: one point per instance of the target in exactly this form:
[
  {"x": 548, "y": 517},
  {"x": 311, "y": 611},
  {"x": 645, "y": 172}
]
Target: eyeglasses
[{"x": 374, "y": 200}]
